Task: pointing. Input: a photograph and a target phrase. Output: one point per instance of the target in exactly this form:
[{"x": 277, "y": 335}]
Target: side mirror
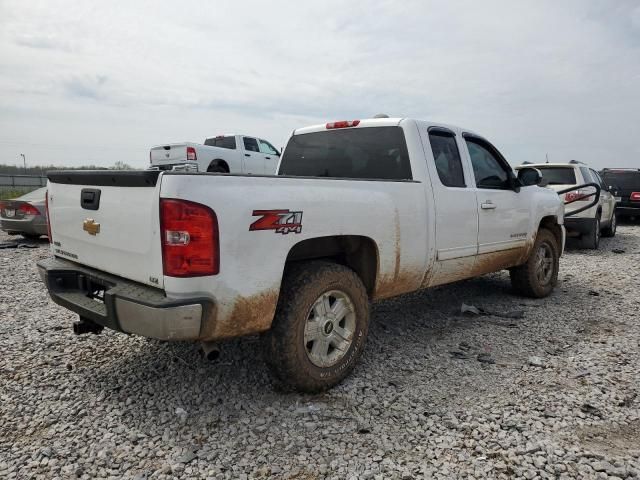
[{"x": 529, "y": 176}]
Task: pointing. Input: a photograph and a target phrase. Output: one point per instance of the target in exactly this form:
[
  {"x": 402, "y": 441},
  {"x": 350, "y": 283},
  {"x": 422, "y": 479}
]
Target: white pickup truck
[
  {"x": 360, "y": 211},
  {"x": 221, "y": 154}
]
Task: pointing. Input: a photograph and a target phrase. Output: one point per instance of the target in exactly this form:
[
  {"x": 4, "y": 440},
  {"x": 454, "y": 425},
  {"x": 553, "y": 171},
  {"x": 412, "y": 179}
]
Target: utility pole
[{"x": 24, "y": 160}]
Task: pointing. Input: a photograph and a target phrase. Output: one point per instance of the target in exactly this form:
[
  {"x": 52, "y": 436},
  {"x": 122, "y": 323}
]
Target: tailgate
[
  {"x": 108, "y": 221},
  {"x": 168, "y": 154}
]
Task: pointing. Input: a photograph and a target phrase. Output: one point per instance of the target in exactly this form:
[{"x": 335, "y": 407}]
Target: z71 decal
[{"x": 282, "y": 221}]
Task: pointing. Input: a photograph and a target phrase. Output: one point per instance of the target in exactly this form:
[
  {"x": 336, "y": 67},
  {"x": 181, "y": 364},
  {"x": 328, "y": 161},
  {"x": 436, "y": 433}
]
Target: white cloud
[{"x": 90, "y": 82}]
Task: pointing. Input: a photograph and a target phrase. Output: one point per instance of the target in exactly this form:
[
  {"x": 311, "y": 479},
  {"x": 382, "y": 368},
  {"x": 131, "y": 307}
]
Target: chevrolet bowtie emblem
[{"x": 90, "y": 226}]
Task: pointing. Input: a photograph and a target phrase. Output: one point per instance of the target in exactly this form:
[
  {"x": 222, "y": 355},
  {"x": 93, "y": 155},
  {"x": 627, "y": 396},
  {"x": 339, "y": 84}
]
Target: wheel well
[
  {"x": 219, "y": 163},
  {"x": 551, "y": 224},
  {"x": 354, "y": 251}
]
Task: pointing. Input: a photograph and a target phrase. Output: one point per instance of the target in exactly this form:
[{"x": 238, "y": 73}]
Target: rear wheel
[
  {"x": 539, "y": 274},
  {"x": 610, "y": 231},
  {"x": 320, "y": 327},
  {"x": 591, "y": 240},
  {"x": 217, "y": 169}
]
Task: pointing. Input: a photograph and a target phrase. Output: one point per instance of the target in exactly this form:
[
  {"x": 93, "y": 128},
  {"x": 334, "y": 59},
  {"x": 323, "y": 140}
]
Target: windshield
[
  {"x": 368, "y": 153},
  {"x": 558, "y": 175},
  {"x": 623, "y": 180}
]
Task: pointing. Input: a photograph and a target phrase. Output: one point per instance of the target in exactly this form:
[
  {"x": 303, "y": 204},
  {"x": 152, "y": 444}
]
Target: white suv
[{"x": 589, "y": 224}]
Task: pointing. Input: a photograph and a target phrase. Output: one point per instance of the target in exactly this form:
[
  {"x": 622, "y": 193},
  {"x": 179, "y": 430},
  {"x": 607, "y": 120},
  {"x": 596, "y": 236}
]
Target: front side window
[
  {"x": 365, "y": 153},
  {"x": 250, "y": 144},
  {"x": 266, "y": 147},
  {"x": 447, "y": 159},
  {"x": 487, "y": 169}
]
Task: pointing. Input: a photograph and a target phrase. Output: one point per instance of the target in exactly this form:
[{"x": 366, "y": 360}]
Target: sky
[{"x": 90, "y": 82}]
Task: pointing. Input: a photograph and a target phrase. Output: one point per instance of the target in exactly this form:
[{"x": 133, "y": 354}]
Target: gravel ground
[{"x": 438, "y": 394}]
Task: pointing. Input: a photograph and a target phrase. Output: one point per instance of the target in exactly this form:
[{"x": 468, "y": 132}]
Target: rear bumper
[
  {"x": 124, "y": 306},
  {"x": 579, "y": 225},
  {"x": 628, "y": 209},
  {"x": 24, "y": 226}
]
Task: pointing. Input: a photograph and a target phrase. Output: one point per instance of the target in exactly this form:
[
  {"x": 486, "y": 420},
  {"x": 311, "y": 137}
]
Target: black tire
[
  {"x": 217, "y": 169},
  {"x": 591, "y": 240},
  {"x": 610, "y": 231},
  {"x": 31, "y": 236},
  {"x": 526, "y": 280},
  {"x": 284, "y": 347}
]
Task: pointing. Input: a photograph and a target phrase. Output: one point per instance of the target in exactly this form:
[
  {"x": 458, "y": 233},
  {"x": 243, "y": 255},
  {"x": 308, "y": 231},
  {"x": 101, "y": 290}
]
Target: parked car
[
  {"x": 359, "y": 211},
  {"x": 221, "y": 154},
  {"x": 625, "y": 184},
  {"x": 593, "y": 222},
  {"x": 25, "y": 215}
]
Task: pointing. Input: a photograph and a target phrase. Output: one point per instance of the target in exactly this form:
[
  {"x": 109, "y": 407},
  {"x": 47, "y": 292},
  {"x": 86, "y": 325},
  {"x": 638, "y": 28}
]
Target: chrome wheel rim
[
  {"x": 544, "y": 264},
  {"x": 329, "y": 328}
]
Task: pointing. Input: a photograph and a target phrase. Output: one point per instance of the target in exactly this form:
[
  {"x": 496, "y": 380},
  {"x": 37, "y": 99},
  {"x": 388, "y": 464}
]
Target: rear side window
[
  {"x": 369, "y": 153},
  {"x": 586, "y": 175},
  {"x": 250, "y": 144},
  {"x": 558, "y": 175},
  {"x": 222, "y": 142},
  {"x": 447, "y": 159}
]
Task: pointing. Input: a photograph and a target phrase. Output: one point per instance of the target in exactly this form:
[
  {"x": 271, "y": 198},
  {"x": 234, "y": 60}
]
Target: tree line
[{"x": 43, "y": 169}]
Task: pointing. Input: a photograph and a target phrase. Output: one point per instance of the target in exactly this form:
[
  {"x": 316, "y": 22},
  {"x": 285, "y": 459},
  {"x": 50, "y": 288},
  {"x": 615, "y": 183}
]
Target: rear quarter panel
[{"x": 246, "y": 290}]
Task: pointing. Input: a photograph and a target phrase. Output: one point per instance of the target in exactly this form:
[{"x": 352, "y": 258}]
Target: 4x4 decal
[{"x": 282, "y": 221}]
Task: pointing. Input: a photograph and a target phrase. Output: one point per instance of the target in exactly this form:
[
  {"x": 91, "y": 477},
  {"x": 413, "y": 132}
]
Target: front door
[
  {"x": 271, "y": 157},
  {"x": 253, "y": 160},
  {"x": 503, "y": 213}
]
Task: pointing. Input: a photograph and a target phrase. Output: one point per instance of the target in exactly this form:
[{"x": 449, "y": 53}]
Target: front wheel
[
  {"x": 320, "y": 327},
  {"x": 538, "y": 276}
]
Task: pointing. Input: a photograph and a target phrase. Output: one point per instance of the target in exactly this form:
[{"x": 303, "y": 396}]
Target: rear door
[
  {"x": 108, "y": 221},
  {"x": 253, "y": 159},
  {"x": 607, "y": 201},
  {"x": 503, "y": 214},
  {"x": 455, "y": 205}
]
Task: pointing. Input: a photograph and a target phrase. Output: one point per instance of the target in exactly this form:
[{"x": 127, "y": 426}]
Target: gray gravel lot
[{"x": 437, "y": 394}]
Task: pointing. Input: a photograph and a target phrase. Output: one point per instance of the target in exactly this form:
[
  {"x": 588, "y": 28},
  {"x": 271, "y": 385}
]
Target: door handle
[
  {"x": 488, "y": 205},
  {"x": 268, "y": 158},
  {"x": 247, "y": 154}
]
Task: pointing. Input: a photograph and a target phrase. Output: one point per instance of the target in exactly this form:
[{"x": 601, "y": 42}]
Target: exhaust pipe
[
  {"x": 85, "y": 326},
  {"x": 210, "y": 350}
]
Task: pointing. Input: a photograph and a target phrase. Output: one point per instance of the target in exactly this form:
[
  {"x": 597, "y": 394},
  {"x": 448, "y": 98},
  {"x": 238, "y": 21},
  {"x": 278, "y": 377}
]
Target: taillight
[
  {"x": 190, "y": 245},
  {"x": 575, "y": 196},
  {"x": 343, "y": 124},
  {"x": 635, "y": 196},
  {"x": 28, "y": 209},
  {"x": 191, "y": 153},
  {"x": 46, "y": 208}
]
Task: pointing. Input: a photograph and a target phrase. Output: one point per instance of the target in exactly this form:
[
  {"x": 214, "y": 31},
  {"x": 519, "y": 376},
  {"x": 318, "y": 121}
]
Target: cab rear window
[
  {"x": 222, "y": 142},
  {"x": 558, "y": 175},
  {"x": 366, "y": 153}
]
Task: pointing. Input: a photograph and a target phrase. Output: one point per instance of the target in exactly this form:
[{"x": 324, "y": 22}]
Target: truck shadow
[{"x": 409, "y": 342}]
